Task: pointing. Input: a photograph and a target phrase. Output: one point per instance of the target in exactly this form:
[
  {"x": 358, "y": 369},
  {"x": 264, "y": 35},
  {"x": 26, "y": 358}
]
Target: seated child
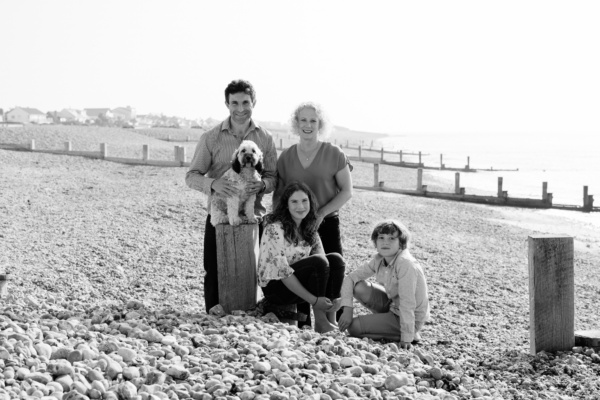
[{"x": 399, "y": 301}]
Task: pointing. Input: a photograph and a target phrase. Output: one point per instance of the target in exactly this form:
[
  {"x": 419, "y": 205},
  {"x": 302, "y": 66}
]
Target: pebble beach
[{"x": 104, "y": 298}]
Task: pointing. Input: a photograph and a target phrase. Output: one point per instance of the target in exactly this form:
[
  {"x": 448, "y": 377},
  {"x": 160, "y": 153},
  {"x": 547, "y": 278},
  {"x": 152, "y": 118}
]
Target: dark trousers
[
  {"x": 322, "y": 275},
  {"x": 211, "y": 280},
  {"x": 331, "y": 237}
]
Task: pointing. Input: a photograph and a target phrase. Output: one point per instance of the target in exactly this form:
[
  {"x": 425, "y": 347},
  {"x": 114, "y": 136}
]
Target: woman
[
  {"x": 292, "y": 266},
  {"x": 323, "y": 167}
]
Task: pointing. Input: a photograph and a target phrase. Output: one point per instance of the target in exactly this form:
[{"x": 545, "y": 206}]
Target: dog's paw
[{"x": 235, "y": 221}]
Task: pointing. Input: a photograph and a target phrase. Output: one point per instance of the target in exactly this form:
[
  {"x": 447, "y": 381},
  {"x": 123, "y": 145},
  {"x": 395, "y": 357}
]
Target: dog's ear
[
  {"x": 259, "y": 167},
  {"x": 236, "y": 166}
]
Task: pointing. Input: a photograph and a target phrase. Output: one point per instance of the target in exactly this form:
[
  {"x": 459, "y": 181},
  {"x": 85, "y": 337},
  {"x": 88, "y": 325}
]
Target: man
[{"x": 212, "y": 159}]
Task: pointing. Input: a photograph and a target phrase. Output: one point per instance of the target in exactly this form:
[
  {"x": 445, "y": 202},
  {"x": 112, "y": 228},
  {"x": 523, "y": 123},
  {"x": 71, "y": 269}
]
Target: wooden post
[
  {"x": 68, "y": 146},
  {"x": 499, "y": 186},
  {"x": 382, "y": 154},
  {"x": 237, "y": 258},
  {"x": 551, "y": 293},
  {"x": 441, "y": 161},
  {"x": 32, "y": 145},
  {"x": 103, "y": 150},
  {"x": 468, "y": 166},
  {"x": 549, "y": 197},
  {"x": 145, "y": 152},
  {"x": 359, "y": 151},
  {"x": 420, "y": 179},
  {"x": 585, "y": 197},
  {"x": 182, "y": 154},
  {"x": 544, "y": 190},
  {"x": 176, "y": 157},
  {"x": 419, "y": 158},
  {"x": 376, "y": 174},
  {"x": 590, "y": 202},
  {"x": 281, "y": 144},
  {"x": 457, "y": 183},
  {"x": 400, "y": 155},
  {"x": 461, "y": 191}
]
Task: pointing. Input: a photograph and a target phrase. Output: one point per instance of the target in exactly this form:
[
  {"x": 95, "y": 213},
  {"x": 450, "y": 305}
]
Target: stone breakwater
[{"x": 135, "y": 353}]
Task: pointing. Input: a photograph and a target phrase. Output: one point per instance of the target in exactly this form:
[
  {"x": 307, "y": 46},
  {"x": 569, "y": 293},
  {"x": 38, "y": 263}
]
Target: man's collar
[{"x": 226, "y": 125}]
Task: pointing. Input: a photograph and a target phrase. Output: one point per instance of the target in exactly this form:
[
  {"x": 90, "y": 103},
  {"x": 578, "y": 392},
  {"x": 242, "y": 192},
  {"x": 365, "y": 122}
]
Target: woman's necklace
[{"x": 312, "y": 153}]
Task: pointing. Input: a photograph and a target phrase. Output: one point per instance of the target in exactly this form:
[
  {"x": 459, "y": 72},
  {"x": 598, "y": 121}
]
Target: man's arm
[{"x": 195, "y": 177}]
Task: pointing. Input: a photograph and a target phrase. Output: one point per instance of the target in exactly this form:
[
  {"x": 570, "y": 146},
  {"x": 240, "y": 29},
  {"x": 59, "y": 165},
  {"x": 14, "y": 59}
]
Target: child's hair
[
  {"x": 281, "y": 213},
  {"x": 389, "y": 227}
]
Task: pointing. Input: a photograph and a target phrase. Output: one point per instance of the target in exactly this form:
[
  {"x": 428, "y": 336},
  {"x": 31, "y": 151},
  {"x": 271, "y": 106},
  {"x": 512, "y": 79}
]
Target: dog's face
[{"x": 247, "y": 155}]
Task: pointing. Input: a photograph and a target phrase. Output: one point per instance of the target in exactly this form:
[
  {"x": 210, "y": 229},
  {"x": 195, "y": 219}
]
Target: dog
[{"x": 246, "y": 167}]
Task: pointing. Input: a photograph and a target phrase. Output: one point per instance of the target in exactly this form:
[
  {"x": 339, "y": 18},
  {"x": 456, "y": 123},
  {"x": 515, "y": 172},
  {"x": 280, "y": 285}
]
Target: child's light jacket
[{"x": 405, "y": 285}]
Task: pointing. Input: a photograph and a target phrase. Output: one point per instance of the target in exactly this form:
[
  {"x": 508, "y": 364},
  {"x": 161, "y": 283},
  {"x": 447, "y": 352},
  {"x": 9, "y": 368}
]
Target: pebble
[{"x": 157, "y": 356}]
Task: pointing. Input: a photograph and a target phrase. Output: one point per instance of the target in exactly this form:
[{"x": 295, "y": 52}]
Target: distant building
[
  {"x": 26, "y": 115},
  {"x": 95, "y": 114},
  {"x": 71, "y": 115},
  {"x": 124, "y": 113}
]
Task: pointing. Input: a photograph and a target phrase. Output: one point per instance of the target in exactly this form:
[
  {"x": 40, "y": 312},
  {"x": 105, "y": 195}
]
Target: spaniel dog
[{"x": 246, "y": 166}]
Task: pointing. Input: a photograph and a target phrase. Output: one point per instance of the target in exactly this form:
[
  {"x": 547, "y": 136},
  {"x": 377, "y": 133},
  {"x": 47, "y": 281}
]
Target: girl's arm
[{"x": 292, "y": 283}]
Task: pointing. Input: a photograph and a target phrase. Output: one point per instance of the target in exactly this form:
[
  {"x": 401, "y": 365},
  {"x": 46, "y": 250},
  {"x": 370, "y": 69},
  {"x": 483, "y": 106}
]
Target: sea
[{"x": 524, "y": 161}]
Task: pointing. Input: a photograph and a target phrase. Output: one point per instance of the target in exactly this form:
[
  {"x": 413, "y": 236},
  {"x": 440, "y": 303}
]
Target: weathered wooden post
[
  {"x": 68, "y": 146},
  {"x": 32, "y": 145},
  {"x": 499, "y": 186},
  {"x": 544, "y": 190},
  {"x": 376, "y": 175},
  {"x": 551, "y": 293},
  {"x": 400, "y": 155},
  {"x": 382, "y": 154},
  {"x": 468, "y": 166},
  {"x": 359, "y": 151},
  {"x": 183, "y": 154},
  {"x": 176, "y": 153},
  {"x": 237, "y": 258},
  {"x": 420, "y": 179},
  {"x": 419, "y": 157},
  {"x": 457, "y": 183},
  {"x": 281, "y": 144},
  {"x": 103, "y": 150},
  {"x": 441, "y": 161},
  {"x": 585, "y": 197},
  {"x": 145, "y": 152}
]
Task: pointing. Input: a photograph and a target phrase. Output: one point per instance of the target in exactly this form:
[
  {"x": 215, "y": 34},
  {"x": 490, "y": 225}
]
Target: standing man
[{"x": 212, "y": 159}]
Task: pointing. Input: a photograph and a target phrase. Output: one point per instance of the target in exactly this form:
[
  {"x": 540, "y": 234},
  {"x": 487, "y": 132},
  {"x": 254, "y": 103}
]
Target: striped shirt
[{"x": 212, "y": 158}]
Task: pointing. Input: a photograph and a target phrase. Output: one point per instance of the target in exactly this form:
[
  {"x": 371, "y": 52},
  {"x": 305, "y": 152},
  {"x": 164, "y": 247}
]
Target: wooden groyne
[{"x": 501, "y": 198}]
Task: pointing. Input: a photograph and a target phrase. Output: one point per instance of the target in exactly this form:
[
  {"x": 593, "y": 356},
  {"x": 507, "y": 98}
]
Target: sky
[{"x": 386, "y": 66}]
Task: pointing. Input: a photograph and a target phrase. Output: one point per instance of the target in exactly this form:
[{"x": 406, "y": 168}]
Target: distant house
[
  {"x": 26, "y": 115},
  {"x": 124, "y": 113},
  {"x": 94, "y": 114},
  {"x": 71, "y": 115}
]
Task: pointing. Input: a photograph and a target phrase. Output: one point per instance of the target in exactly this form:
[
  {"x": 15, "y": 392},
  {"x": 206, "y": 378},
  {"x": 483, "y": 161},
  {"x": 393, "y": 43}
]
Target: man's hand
[
  {"x": 255, "y": 187},
  {"x": 345, "y": 319},
  {"x": 224, "y": 187}
]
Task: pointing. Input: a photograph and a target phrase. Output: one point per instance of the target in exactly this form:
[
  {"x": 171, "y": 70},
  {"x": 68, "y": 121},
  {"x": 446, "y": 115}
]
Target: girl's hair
[
  {"x": 324, "y": 123},
  {"x": 281, "y": 213},
  {"x": 389, "y": 227}
]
